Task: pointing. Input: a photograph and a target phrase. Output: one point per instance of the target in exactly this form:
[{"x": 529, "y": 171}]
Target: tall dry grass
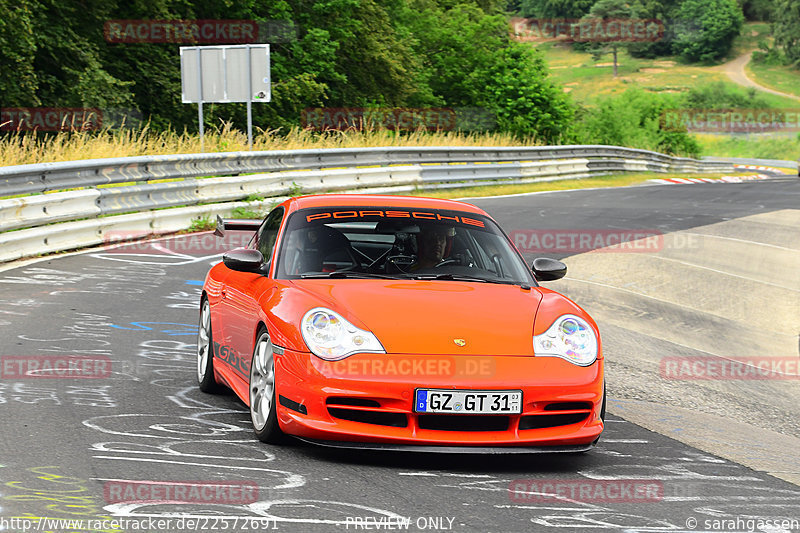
[{"x": 27, "y": 148}]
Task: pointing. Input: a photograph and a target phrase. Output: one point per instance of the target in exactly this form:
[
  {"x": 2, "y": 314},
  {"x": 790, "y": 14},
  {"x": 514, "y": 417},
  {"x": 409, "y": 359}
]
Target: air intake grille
[
  {"x": 550, "y": 421},
  {"x": 377, "y": 418},
  {"x": 463, "y": 422}
]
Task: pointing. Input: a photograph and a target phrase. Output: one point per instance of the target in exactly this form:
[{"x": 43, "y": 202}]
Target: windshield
[{"x": 391, "y": 242}]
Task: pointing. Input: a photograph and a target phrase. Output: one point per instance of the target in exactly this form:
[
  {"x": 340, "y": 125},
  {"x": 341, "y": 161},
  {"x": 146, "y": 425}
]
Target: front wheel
[
  {"x": 205, "y": 352},
  {"x": 263, "y": 408}
]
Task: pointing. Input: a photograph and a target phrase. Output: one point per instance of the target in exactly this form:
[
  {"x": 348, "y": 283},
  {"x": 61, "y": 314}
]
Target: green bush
[
  {"x": 718, "y": 22},
  {"x": 769, "y": 55},
  {"x": 634, "y": 119},
  {"x": 722, "y": 96}
]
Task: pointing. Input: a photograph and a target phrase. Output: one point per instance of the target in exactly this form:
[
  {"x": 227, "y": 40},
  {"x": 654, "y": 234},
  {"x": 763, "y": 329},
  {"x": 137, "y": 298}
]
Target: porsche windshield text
[
  {"x": 387, "y": 242},
  {"x": 419, "y": 215}
]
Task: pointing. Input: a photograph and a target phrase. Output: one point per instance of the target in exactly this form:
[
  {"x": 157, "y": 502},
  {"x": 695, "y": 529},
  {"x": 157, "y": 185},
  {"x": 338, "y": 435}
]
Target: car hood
[{"x": 434, "y": 317}]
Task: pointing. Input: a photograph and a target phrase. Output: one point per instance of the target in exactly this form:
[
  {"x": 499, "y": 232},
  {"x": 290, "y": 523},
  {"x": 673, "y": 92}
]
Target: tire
[
  {"x": 205, "y": 352},
  {"x": 263, "y": 407}
]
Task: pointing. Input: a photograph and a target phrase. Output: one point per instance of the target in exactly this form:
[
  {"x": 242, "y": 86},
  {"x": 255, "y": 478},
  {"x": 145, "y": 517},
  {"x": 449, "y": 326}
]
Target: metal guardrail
[
  {"x": 780, "y": 163},
  {"x": 53, "y": 222},
  {"x": 44, "y": 177}
]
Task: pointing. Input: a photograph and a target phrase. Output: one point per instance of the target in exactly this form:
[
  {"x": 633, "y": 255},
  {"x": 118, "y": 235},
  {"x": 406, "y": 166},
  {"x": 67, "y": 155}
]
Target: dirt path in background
[{"x": 735, "y": 71}]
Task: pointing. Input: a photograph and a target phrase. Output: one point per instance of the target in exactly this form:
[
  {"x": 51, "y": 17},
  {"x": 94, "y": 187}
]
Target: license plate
[{"x": 480, "y": 402}]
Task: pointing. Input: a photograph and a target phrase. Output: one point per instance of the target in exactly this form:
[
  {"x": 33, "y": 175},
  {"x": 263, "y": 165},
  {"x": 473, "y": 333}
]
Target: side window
[{"x": 268, "y": 233}]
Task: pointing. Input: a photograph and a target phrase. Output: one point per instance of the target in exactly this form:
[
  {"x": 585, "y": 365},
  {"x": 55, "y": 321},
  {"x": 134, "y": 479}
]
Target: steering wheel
[
  {"x": 458, "y": 259},
  {"x": 446, "y": 262}
]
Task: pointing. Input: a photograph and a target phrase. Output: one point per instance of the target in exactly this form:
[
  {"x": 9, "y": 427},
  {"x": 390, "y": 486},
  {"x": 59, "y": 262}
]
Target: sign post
[
  {"x": 199, "y": 100},
  {"x": 249, "y": 100},
  {"x": 226, "y": 74}
]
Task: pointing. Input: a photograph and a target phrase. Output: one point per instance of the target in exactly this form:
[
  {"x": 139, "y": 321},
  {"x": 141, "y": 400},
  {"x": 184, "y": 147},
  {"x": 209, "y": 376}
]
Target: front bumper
[{"x": 368, "y": 399}]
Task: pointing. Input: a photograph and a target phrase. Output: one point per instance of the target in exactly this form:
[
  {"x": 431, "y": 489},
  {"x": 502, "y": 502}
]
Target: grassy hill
[{"x": 587, "y": 80}]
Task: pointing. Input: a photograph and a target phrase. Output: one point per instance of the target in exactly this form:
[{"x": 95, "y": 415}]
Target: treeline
[
  {"x": 696, "y": 30},
  {"x": 785, "y": 18},
  {"x": 336, "y": 53},
  {"x": 423, "y": 54}
]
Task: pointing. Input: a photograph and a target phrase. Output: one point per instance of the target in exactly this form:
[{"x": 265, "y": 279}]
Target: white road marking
[{"x": 293, "y": 480}]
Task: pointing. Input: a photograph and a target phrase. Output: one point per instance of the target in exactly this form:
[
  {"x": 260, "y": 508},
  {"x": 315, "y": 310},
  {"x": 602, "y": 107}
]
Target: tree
[
  {"x": 50, "y": 56},
  {"x": 607, "y": 10},
  {"x": 345, "y": 53},
  {"x": 661, "y": 10},
  {"x": 470, "y": 61},
  {"x": 786, "y": 29},
  {"x": 522, "y": 97},
  {"x": 17, "y": 53},
  {"x": 716, "y": 25},
  {"x": 758, "y": 10},
  {"x": 569, "y": 9}
]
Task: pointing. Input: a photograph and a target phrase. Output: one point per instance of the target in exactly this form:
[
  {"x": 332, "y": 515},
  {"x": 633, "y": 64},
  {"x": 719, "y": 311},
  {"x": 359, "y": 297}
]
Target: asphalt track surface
[{"x": 66, "y": 443}]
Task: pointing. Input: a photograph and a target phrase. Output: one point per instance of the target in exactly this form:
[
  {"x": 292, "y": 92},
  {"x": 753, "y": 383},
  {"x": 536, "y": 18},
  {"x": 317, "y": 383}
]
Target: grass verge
[
  {"x": 780, "y": 78},
  {"x": 612, "y": 180},
  {"x": 766, "y": 146}
]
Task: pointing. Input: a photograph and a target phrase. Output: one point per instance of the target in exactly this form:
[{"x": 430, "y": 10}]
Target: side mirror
[
  {"x": 244, "y": 260},
  {"x": 546, "y": 269}
]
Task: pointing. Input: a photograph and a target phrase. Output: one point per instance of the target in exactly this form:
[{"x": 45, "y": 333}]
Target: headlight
[
  {"x": 570, "y": 338},
  {"x": 331, "y": 337}
]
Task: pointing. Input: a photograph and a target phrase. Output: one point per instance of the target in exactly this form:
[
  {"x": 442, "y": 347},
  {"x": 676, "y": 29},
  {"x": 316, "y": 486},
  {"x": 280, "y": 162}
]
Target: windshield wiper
[
  {"x": 340, "y": 274},
  {"x": 449, "y": 277},
  {"x": 456, "y": 277}
]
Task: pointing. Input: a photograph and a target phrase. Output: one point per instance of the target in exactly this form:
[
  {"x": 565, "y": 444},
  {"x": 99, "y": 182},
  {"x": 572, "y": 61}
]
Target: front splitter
[{"x": 497, "y": 450}]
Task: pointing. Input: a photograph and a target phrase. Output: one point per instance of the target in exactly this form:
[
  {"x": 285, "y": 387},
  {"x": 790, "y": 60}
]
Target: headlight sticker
[
  {"x": 569, "y": 337},
  {"x": 331, "y": 337}
]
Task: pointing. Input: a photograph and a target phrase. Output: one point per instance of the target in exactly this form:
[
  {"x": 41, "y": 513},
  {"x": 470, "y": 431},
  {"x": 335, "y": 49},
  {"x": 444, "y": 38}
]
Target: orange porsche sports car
[{"x": 397, "y": 322}]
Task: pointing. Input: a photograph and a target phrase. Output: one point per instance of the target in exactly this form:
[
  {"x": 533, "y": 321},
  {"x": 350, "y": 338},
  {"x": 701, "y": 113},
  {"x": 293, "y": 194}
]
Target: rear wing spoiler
[{"x": 235, "y": 224}]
